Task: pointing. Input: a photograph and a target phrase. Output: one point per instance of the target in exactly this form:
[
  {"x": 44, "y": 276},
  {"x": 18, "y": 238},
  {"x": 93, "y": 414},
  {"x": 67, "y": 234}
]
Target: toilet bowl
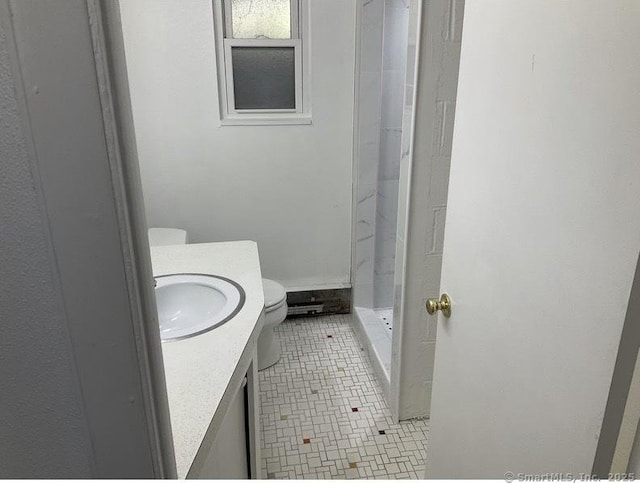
[{"x": 275, "y": 308}]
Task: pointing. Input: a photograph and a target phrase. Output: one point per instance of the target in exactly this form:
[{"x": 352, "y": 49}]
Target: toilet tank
[{"x": 167, "y": 236}]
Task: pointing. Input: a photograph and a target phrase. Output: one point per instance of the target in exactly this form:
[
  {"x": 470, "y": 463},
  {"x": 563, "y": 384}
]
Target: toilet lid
[{"x": 274, "y": 293}]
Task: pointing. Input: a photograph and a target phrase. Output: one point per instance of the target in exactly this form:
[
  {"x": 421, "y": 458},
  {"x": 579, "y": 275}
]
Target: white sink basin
[{"x": 190, "y": 304}]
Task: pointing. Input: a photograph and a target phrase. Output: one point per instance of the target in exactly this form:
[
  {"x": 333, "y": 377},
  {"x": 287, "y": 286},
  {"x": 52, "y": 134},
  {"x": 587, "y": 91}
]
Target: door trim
[
  {"x": 111, "y": 74},
  {"x": 610, "y": 447}
]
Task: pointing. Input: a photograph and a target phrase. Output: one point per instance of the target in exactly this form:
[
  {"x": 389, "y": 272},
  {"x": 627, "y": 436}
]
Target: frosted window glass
[
  {"x": 264, "y": 77},
  {"x": 261, "y": 19}
]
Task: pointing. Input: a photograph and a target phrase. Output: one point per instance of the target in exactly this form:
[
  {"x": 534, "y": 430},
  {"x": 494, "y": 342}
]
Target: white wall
[
  {"x": 287, "y": 187},
  {"x": 44, "y": 433},
  {"x": 77, "y": 394}
]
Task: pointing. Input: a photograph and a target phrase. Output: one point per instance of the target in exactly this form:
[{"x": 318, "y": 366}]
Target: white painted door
[{"x": 542, "y": 235}]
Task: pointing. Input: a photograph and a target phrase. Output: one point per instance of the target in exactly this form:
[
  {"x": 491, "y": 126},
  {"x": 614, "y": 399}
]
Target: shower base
[
  {"x": 374, "y": 329},
  {"x": 386, "y": 319}
]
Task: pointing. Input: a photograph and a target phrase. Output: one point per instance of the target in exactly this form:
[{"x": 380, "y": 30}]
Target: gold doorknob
[{"x": 444, "y": 305}]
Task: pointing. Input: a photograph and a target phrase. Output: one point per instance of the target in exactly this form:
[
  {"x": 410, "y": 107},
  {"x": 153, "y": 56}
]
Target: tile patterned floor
[{"x": 323, "y": 415}]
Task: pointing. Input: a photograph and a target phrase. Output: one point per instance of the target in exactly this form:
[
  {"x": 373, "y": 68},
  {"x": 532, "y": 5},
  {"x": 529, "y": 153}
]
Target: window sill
[{"x": 295, "y": 119}]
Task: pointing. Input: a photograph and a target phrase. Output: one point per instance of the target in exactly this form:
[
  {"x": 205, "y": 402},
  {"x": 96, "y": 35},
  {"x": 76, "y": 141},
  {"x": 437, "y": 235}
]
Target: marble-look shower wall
[
  {"x": 368, "y": 146},
  {"x": 394, "y": 61}
]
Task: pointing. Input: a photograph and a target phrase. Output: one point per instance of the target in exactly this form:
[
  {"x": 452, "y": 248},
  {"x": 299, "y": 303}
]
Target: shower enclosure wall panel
[
  {"x": 383, "y": 28},
  {"x": 394, "y": 55},
  {"x": 367, "y": 142}
]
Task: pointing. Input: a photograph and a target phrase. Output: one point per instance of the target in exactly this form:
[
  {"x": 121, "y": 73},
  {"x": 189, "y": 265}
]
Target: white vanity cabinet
[
  {"x": 214, "y": 419},
  {"x": 234, "y": 454}
]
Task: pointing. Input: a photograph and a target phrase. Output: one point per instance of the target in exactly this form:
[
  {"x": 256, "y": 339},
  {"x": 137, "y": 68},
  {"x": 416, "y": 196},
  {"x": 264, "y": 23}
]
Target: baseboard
[
  {"x": 316, "y": 286},
  {"x": 307, "y": 303}
]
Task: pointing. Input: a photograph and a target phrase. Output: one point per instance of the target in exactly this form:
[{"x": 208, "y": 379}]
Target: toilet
[
  {"x": 167, "y": 236},
  {"x": 275, "y": 308}
]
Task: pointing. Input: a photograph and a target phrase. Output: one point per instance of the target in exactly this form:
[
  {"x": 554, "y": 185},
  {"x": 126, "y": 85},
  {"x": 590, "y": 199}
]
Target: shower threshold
[{"x": 375, "y": 336}]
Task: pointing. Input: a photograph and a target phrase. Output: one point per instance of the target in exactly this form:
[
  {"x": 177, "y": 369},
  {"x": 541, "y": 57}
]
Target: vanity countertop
[{"x": 199, "y": 369}]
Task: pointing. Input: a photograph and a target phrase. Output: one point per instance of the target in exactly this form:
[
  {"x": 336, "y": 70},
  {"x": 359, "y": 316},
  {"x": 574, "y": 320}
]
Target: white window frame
[{"x": 229, "y": 115}]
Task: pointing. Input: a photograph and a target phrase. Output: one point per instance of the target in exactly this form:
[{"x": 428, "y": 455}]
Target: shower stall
[
  {"x": 401, "y": 185},
  {"x": 382, "y": 92}
]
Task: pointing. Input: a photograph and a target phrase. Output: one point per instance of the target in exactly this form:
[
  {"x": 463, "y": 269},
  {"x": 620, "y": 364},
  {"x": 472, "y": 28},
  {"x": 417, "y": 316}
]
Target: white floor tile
[{"x": 323, "y": 415}]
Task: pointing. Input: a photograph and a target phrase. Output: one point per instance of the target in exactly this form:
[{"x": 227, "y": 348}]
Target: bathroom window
[{"x": 262, "y": 62}]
